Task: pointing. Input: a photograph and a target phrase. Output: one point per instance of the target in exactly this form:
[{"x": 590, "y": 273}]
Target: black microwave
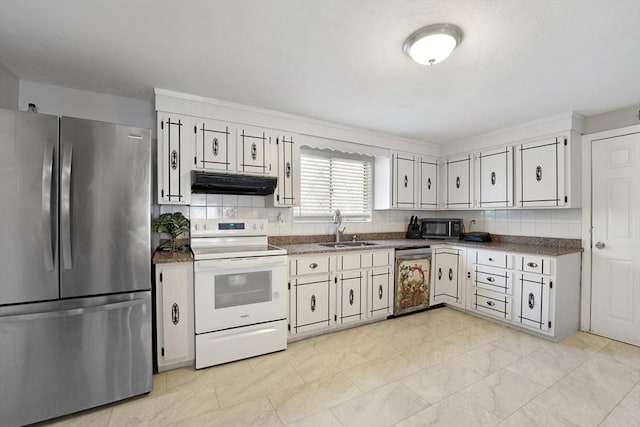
[{"x": 433, "y": 228}]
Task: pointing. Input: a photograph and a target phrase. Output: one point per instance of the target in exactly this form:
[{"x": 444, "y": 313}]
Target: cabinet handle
[
  {"x": 532, "y": 300},
  {"x": 351, "y": 296},
  {"x": 215, "y": 146},
  {"x": 313, "y": 265},
  {"x": 439, "y": 274},
  {"x": 406, "y": 181},
  {"x": 174, "y": 160},
  {"x": 380, "y": 292},
  {"x": 491, "y": 259},
  {"x": 450, "y": 274},
  {"x": 313, "y": 303},
  {"x": 468, "y": 275},
  {"x": 287, "y": 169},
  {"x": 539, "y": 173},
  {"x": 493, "y": 178},
  {"x": 175, "y": 314},
  {"x": 254, "y": 151},
  {"x": 457, "y": 182},
  {"x": 532, "y": 264},
  {"x": 429, "y": 183},
  {"x": 491, "y": 303},
  {"x": 490, "y": 279}
]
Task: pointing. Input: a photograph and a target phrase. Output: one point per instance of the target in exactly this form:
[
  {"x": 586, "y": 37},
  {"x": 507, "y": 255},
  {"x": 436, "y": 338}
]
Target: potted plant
[{"x": 173, "y": 224}]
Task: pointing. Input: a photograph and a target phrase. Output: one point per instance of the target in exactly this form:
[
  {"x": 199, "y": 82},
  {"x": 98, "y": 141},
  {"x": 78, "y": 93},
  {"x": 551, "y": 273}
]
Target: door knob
[{"x": 600, "y": 245}]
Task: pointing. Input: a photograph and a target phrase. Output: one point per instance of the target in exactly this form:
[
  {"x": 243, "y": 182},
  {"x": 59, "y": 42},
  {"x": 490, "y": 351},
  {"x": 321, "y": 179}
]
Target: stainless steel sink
[{"x": 342, "y": 245}]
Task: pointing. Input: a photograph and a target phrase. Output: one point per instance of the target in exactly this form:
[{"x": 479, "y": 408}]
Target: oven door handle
[{"x": 247, "y": 262}]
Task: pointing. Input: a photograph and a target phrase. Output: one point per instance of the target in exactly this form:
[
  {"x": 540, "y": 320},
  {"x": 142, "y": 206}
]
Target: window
[{"x": 331, "y": 180}]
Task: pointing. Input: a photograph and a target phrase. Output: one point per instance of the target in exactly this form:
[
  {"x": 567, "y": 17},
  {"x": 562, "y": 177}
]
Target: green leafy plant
[{"x": 173, "y": 224}]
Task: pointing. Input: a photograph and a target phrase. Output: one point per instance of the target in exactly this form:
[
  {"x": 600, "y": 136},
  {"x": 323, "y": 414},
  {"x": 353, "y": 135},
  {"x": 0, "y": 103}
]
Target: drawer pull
[
  {"x": 491, "y": 303},
  {"x": 406, "y": 181},
  {"x": 491, "y": 259},
  {"x": 380, "y": 292},
  {"x": 313, "y": 265},
  {"x": 439, "y": 274},
  {"x": 457, "y": 182},
  {"x": 313, "y": 303},
  {"x": 491, "y": 279},
  {"x": 351, "y": 297},
  {"x": 450, "y": 274},
  {"x": 532, "y": 301},
  {"x": 532, "y": 264}
]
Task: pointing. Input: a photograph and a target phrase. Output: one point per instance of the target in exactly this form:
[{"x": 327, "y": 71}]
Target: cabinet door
[
  {"x": 495, "y": 178},
  {"x": 534, "y": 301},
  {"x": 287, "y": 154},
  {"x": 311, "y": 303},
  {"x": 174, "y": 296},
  {"x": 540, "y": 170},
  {"x": 254, "y": 152},
  {"x": 404, "y": 181},
  {"x": 215, "y": 146},
  {"x": 446, "y": 285},
  {"x": 428, "y": 187},
  {"x": 458, "y": 182},
  {"x": 175, "y": 139},
  {"x": 350, "y": 287},
  {"x": 380, "y": 291}
]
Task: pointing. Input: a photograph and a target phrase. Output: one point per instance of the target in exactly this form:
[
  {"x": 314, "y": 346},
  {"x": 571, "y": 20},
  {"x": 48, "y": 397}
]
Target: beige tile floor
[{"x": 439, "y": 367}]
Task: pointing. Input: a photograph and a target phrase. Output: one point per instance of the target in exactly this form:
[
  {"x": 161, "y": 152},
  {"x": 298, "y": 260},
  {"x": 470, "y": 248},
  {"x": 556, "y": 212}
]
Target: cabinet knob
[
  {"x": 457, "y": 182},
  {"x": 351, "y": 296},
  {"x": 429, "y": 183},
  {"x": 600, "y": 245},
  {"x": 532, "y": 264},
  {"x": 439, "y": 274},
  {"x": 491, "y": 303},
  {"x": 539, "y": 173},
  {"x": 450, "y": 274},
  {"x": 493, "y": 178},
  {"x": 175, "y": 314},
  {"x": 313, "y": 303},
  {"x": 313, "y": 265},
  {"x": 532, "y": 300},
  {"x": 406, "y": 181},
  {"x": 380, "y": 292},
  {"x": 490, "y": 279}
]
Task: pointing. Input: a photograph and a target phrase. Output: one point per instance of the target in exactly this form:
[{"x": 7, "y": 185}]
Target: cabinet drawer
[
  {"x": 492, "y": 304},
  {"x": 309, "y": 265},
  {"x": 375, "y": 259},
  {"x": 493, "y": 279},
  {"x": 535, "y": 264},
  {"x": 349, "y": 261},
  {"x": 494, "y": 259}
]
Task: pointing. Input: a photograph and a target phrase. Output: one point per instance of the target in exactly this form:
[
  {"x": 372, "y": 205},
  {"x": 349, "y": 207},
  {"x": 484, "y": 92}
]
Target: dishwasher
[{"x": 413, "y": 273}]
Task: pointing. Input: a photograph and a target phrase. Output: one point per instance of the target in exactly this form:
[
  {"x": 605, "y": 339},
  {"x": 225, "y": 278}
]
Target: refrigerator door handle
[
  {"x": 65, "y": 204},
  {"x": 78, "y": 311},
  {"x": 47, "y": 181}
]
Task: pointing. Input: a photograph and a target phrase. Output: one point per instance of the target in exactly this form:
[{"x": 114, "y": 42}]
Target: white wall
[
  {"x": 8, "y": 89},
  {"x": 63, "y": 101},
  {"x": 623, "y": 117}
]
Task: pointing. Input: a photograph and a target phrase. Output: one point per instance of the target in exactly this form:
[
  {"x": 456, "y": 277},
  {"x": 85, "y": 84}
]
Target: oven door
[{"x": 239, "y": 291}]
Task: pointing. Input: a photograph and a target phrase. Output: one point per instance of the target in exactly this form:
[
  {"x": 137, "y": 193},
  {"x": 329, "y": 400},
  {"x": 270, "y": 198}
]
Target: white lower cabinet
[
  {"x": 174, "y": 315},
  {"x": 329, "y": 290},
  {"x": 446, "y": 283},
  {"x": 537, "y": 293}
]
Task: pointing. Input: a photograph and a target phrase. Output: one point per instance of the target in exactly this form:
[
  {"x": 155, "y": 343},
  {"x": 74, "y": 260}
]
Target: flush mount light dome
[{"x": 433, "y": 43}]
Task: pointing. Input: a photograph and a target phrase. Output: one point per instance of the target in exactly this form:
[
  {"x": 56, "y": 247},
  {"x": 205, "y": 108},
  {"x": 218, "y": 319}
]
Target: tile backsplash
[{"x": 559, "y": 223}]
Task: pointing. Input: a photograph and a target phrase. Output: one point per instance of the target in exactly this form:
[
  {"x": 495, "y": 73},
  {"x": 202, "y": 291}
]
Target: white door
[
  {"x": 495, "y": 178},
  {"x": 174, "y": 287},
  {"x": 404, "y": 185},
  {"x": 428, "y": 184},
  {"x": 350, "y": 296},
  {"x": 458, "y": 172},
  {"x": 175, "y": 140},
  {"x": 287, "y": 152},
  {"x": 254, "y": 151},
  {"x": 615, "y": 294}
]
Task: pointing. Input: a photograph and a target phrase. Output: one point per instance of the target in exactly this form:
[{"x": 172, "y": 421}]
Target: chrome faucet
[{"x": 337, "y": 220}]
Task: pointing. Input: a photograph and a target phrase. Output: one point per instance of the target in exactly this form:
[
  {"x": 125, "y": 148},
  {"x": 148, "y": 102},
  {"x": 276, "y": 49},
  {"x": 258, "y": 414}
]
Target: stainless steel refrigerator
[{"x": 75, "y": 274}]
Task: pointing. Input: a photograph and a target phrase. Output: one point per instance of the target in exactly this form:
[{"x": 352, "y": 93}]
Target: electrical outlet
[{"x": 280, "y": 219}]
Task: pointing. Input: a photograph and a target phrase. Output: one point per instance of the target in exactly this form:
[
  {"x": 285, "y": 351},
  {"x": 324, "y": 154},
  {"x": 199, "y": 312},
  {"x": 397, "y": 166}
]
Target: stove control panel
[{"x": 228, "y": 227}]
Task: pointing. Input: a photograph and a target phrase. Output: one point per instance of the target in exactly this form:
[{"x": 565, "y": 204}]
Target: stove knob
[
  {"x": 255, "y": 227},
  {"x": 196, "y": 226},
  {"x": 204, "y": 226},
  {"x": 261, "y": 226}
]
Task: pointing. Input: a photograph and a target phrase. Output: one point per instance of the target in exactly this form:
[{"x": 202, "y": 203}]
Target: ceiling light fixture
[{"x": 433, "y": 43}]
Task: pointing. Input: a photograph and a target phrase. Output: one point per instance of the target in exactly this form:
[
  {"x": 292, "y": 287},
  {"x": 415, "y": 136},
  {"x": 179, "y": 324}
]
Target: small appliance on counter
[
  {"x": 441, "y": 228},
  {"x": 413, "y": 230},
  {"x": 476, "y": 236}
]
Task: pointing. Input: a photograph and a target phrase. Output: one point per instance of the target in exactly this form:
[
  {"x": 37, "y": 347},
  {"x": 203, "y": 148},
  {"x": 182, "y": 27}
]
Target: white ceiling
[{"x": 340, "y": 60}]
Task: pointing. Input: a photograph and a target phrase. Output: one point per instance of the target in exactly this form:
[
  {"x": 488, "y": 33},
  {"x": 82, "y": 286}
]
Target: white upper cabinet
[
  {"x": 540, "y": 170},
  {"x": 404, "y": 181},
  {"x": 428, "y": 183},
  {"x": 494, "y": 178},
  {"x": 255, "y": 149},
  {"x": 175, "y": 144},
  {"x": 458, "y": 189},
  {"x": 287, "y": 164},
  {"x": 215, "y": 146}
]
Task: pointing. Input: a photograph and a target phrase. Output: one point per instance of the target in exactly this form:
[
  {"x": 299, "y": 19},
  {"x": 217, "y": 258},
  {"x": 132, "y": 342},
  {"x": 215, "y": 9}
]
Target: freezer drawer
[{"x": 62, "y": 357}]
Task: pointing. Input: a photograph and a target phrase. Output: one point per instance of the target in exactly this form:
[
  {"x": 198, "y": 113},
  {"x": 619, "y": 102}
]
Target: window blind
[{"x": 330, "y": 180}]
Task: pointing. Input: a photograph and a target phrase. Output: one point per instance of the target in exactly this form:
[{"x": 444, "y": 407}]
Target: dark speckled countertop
[{"x": 524, "y": 245}]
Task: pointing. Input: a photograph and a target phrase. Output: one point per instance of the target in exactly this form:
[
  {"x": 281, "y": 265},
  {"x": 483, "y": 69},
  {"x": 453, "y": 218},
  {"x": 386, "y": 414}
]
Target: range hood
[{"x": 219, "y": 183}]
